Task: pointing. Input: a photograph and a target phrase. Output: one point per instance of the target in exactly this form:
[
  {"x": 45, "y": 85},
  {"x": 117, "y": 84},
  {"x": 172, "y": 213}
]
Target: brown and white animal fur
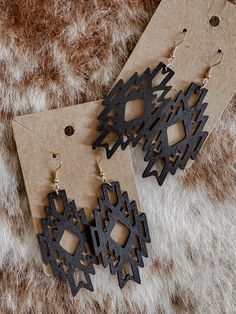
[{"x": 57, "y": 53}]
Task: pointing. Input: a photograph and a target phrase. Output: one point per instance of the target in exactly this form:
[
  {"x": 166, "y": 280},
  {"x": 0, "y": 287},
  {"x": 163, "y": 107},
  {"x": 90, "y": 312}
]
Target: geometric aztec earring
[
  {"x": 188, "y": 109},
  {"x": 113, "y": 119},
  {"x": 68, "y": 266},
  {"x": 171, "y": 156},
  {"x": 140, "y": 88},
  {"x": 190, "y": 115},
  {"x": 123, "y": 256}
]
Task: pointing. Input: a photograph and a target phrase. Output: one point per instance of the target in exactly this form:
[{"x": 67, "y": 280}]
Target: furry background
[{"x": 57, "y": 53}]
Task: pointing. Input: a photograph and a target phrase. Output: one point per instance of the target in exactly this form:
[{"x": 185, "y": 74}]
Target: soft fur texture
[{"x": 57, "y": 53}]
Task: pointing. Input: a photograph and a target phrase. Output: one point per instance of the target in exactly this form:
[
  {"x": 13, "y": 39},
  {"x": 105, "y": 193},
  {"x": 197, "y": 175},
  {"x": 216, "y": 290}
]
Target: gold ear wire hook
[
  {"x": 55, "y": 179},
  {"x": 101, "y": 172},
  {"x": 208, "y": 72},
  {"x": 172, "y": 53}
]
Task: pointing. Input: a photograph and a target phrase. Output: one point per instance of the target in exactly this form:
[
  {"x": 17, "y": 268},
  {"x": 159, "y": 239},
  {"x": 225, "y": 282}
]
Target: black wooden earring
[
  {"x": 116, "y": 217},
  {"x": 136, "y": 88},
  {"x": 112, "y": 118},
  {"x": 188, "y": 110},
  {"x": 164, "y": 157},
  {"x": 75, "y": 266}
]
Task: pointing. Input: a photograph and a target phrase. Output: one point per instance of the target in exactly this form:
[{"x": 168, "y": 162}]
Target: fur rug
[{"x": 57, "y": 53}]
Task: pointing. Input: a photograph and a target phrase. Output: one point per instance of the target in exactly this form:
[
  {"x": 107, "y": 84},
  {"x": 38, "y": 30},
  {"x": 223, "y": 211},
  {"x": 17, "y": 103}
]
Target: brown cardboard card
[
  {"x": 39, "y": 135},
  {"x": 193, "y": 57}
]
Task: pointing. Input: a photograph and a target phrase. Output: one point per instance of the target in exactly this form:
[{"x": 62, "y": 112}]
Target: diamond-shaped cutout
[
  {"x": 175, "y": 133},
  {"x": 120, "y": 233},
  {"x": 69, "y": 242},
  {"x": 134, "y": 109}
]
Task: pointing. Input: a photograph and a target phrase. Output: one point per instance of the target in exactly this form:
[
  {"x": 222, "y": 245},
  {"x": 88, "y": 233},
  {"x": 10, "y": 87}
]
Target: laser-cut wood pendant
[
  {"x": 190, "y": 115},
  {"x": 112, "y": 117},
  {"x": 122, "y": 213},
  {"x": 69, "y": 266}
]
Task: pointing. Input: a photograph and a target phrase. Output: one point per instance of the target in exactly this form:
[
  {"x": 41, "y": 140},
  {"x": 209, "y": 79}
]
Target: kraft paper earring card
[
  {"x": 70, "y": 132},
  {"x": 136, "y": 108},
  {"x": 194, "y": 56}
]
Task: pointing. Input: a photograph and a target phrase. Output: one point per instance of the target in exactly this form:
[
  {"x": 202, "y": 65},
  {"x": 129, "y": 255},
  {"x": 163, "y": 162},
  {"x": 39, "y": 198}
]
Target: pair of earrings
[
  {"x": 160, "y": 113},
  {"x": 94, "y": 240}
]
